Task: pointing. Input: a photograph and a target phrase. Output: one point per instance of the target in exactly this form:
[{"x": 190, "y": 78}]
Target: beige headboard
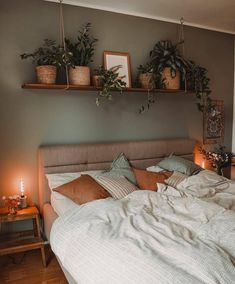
[{"x": 81, "y": 157}]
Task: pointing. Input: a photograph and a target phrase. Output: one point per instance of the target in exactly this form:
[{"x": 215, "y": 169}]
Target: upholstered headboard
[{"x": 82, "y": 157}]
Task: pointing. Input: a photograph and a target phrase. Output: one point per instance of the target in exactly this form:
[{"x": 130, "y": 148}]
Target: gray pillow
[
  {"x": 121, "y": 167},
  {"x": 175, "y": 163}
]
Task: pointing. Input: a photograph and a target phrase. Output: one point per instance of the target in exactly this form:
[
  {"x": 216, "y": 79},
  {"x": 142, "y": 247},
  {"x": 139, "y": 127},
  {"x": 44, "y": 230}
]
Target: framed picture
[
  {"x": 112, "y": 59},
  {"x": 213, "y": 124}
]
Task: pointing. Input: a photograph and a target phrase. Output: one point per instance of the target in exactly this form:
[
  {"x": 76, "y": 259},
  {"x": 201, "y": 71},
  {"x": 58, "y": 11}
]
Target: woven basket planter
[
  {"x": 80, "y": 75},
  {"x": 171, "y": 83},
  {"x": 46, "y": 74},
  {"x": 146, "y": 81},
  {"x": 96, "y": 81}
]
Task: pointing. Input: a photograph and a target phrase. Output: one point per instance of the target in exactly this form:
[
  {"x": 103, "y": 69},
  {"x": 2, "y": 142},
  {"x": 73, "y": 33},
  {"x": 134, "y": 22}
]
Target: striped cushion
[
  {"x": 118, "y": 187},
  {"x": 175, "y": 179}
]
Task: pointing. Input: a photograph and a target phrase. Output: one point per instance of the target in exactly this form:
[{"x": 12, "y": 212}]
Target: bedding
[
  {"x": 183, "y": 235},
  {"x": 83, "y": 189},
  {"x": 148, "y": 180},
  {"x": 121, "y": 167},
  {"x": 118, "y": 187},
  {"x": 179, "y": 164},
  {"x": 61, "y": 204}
]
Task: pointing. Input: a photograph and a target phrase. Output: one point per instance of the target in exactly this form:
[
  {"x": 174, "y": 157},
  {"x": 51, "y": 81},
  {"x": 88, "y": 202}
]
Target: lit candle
[
  {"x": 22, "y": 187},
  {"x": 203, "y": 164}
]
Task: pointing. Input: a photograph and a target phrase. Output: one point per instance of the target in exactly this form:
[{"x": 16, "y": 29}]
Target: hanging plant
[
  {"x": 110, "y": 80},
  {"x": 198, "y": 81}
]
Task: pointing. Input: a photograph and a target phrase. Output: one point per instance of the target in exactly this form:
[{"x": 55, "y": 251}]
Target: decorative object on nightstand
[
  {"x": 23, "y": 197},
  {"x": 218, "y": 159},
  {"x": 23, "y": 240},
  {"x": 12, "y": 203}
]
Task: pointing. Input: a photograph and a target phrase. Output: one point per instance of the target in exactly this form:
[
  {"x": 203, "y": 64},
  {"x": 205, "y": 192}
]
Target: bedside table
[{"x": 13, "y": 243}]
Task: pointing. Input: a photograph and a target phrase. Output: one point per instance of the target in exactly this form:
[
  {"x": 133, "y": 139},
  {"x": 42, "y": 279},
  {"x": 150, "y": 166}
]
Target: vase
[
  {"x": 80, "y": 75},
  {"x": 46, "y": 74},
  {"x": 171, "y": 83}
]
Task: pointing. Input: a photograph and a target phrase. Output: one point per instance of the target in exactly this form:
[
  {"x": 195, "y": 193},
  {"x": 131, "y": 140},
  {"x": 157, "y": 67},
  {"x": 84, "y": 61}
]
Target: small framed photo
[
  {"x": 213, "y": 124},
  {"x": 112, "y": 59}
]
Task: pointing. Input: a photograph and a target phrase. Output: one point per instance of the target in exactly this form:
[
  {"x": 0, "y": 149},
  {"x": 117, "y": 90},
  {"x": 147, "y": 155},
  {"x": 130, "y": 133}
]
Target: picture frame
[
  {"x": 213, "y": 124},
  {"x": 113, "y": 58}
]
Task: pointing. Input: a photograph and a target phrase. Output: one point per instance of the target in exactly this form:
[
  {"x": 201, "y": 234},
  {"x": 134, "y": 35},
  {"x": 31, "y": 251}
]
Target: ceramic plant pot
[
  {"x": 171, "y": 83},
  {"x": 146, "y": 80}
]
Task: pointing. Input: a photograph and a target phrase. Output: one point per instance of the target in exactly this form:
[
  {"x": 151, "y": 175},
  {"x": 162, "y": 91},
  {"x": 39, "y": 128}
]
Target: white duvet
[{"x": 171, "y": 236}]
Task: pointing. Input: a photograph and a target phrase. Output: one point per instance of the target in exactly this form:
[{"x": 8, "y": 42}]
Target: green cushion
[
  {"x": 175, "y": 163},
  {"x": 121, "y": 167}
]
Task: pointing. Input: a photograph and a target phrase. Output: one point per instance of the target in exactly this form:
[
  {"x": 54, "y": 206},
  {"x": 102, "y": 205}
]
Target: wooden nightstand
[{"x": 13, "y": 243}]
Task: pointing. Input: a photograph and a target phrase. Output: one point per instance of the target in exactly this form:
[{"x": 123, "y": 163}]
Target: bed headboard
[{"x": 82, "y": 157}]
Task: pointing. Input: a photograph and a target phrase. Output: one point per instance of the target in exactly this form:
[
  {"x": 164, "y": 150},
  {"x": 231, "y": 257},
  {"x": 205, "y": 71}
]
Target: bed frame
[{"x": 82, "y": 157}]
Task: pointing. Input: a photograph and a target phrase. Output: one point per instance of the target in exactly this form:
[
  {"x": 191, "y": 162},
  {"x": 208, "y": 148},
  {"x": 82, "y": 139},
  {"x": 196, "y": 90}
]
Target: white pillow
[
  {"x": 155, "y": 169},
  {"x": 55, "y": 180},
  {"x": 118, "y": 187},
  {"x": 61, "y": 204}
]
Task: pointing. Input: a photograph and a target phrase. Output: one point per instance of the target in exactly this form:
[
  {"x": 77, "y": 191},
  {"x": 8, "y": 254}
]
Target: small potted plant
[
  {"x": 48, "y": 58},
  {"x": 167, "y": 61},
  {"x": 110, "y": 80},
  {"x": 83, "y": 51},
  {"x": 146, "y": 76}
]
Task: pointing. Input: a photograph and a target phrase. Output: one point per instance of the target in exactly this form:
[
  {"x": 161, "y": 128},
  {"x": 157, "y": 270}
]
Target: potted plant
[
  {"x": 198, "y": 81},
  {"x": 110, "y": 80},
  {"x": 83, "y": 51},
  {"x": 167, "y": 61},
  {"x": 47, "y": 58},
  {"x": 146, "y": 76}
]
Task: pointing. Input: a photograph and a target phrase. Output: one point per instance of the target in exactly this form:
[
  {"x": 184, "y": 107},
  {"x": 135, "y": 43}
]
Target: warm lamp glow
[
  {"x": 22, "y": 187},
  {"x": 203, "y": 164}
]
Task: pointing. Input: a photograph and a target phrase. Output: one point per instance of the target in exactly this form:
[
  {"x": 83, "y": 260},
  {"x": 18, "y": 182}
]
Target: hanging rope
[
  {"x": 181, "y": 39},
  {"x": 62, "y": 40}
]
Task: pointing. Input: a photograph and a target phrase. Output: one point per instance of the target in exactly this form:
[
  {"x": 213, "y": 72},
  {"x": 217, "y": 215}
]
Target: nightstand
[{"x": 20, "y": 241}]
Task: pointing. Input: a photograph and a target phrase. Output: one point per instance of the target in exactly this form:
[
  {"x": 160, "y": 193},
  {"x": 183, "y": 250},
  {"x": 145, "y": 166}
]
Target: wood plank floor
[{"x": 30, "y": 270}]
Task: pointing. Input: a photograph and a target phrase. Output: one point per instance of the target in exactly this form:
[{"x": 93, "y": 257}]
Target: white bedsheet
[{"x": 183, "y": 236}]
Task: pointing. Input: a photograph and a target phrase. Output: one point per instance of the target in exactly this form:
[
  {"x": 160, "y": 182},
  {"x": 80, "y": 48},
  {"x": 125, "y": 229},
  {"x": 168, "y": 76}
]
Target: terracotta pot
[
  {"x": 80, "y": 75},
  {"x": 171, "y": 83},
  {"x": 46, "y": 74},
  {"x": 96, "y": 81},
  {"x": 146, "y": 80}
]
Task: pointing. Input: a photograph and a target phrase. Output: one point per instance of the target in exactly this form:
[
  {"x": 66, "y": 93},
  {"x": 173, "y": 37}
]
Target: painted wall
[{"x": 30, "y": 118}]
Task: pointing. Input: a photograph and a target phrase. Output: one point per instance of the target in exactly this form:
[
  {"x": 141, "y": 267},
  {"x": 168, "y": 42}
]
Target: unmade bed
[{"x": 136, "y": 212}]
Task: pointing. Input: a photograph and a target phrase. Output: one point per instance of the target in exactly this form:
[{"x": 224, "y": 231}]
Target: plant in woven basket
[
  {"x": 83, "y": 51},
  {"x": 198, "y": 81},
  {"x": 110, "y": 80},
  {"x": 47, "y": 58},
  {"x": 167, "y": 61}
]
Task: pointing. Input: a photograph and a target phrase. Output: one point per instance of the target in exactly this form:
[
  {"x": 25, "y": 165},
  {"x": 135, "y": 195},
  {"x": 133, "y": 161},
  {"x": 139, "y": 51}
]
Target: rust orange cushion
[
  {"x": 148, "y": 180},
  {"x": 83, "y": 190}
]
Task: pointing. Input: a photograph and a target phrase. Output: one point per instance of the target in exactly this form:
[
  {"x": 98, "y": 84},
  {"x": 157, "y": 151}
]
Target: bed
[{"x": 141, "y": 154}]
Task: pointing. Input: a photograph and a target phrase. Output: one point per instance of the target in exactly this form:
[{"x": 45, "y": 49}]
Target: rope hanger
[
  {"x": 62, "y": 38},
  {"x": 182, "y": 40}
]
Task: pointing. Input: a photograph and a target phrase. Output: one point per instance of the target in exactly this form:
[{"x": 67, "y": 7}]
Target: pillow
[
  {"x": 82, "y": 190},
  {"x": 175, "y": 179},
  {"x": 55, "y": 180},
  {"x": 149, "y": 180},
  {"x": 118, "y": 187},
  {"x": 155, "y": 169},
  {"x": 121, "y": 167},
  {"x": 174, "y": 163}
]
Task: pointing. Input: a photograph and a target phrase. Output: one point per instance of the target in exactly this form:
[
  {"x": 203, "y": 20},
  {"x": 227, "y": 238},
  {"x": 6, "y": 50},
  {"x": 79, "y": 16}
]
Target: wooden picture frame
[
  {"x": 112, "y": 58},
  {"x": 213, "y": 124}
]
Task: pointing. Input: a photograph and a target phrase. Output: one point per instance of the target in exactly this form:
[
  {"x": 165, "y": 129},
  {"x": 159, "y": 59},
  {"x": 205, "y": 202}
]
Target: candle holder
[{"x": 23, "y": 201}]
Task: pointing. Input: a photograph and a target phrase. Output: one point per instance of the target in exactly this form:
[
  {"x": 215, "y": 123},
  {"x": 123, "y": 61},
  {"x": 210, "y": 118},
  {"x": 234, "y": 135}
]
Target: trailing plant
[
  {"x": 147, "y": 68},
  {"x": 110, "y": 80},
  {"x": 165, "y": 54},
  {"x": 83, "y": 48},
  {"x": 199, "y": 82},
  {"x": 49, "y": 54}
]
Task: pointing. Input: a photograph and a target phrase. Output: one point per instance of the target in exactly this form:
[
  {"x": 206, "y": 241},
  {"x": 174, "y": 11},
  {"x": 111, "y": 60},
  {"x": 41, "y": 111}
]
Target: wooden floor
[{"x": 30, "y": 270}]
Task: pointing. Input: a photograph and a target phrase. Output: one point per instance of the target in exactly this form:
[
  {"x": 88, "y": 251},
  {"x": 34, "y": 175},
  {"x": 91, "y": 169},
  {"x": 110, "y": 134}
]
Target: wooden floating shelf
[{"x": 92, "y": 88}]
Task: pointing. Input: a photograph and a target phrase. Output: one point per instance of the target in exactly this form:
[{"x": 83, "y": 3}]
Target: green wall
[{"x": 30, "y": 118}]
